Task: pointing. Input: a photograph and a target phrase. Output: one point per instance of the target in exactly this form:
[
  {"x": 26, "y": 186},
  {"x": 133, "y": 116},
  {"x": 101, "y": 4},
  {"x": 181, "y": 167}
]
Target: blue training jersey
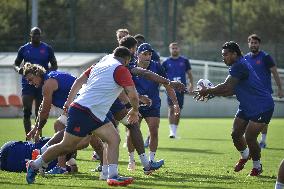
[
  {"x": 176, "y": 68},
  {"x": 262, "y": 62},
  {"x": 65, "y": 82},
  {"x": 148, "y": 87},
  {"x": 254, "y": 98}
]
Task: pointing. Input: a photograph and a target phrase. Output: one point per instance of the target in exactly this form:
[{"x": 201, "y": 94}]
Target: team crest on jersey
[
  {"x": 42, "y": 51},
  {"x": 76, "y": 129},
  {"x": 258, "y": 62}
]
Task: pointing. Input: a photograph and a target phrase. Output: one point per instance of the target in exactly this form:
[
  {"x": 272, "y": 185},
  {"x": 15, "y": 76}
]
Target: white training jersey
[{"x": 101, "y": 89}]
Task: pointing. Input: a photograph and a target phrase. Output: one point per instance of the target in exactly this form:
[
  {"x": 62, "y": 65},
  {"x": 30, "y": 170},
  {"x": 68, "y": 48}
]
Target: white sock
[
  {"x": 263, "y": 138},
  {"x": 131, "y": 157},
  {"x": 256, "y": 164},
  {"x": 71, "y": 162},
  {"x": 38, "y": 163},
  {"x": 171, "y": 129},
  {"x": 112, "y": 170},
  {"x": 245, "y": 153},
  {"x": 279, "y": 185},
  {"x": 105, "y": 170},
  {"x": 152, "y": 156},
  {"x": 144, "y": 161},
  {"x": 44, "y": 148},
  {"x": 174, "y": 129}
]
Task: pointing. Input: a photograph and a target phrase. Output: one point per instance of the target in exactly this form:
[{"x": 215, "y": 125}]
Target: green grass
[{"x": 203, "y": 157}]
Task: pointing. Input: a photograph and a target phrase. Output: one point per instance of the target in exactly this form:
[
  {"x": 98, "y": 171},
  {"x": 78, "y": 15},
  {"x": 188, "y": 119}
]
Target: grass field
[{"x": 203, "y": 157}]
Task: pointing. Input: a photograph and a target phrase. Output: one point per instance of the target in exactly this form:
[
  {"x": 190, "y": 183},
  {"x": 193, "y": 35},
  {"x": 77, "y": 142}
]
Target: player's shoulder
[{"x": 184, "y": 57}]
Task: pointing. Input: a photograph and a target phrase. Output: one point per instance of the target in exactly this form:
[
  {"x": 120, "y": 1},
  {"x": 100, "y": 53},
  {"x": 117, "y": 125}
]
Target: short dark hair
[
  {"x": 255, "y": 37},
  {"x": 139, "y": 37},
  {"x": 122, "y": 52},
  {"x": 35, "y": 30},
  {"x": 128, "y": 42},
  {"x": 232, "y": 46}
]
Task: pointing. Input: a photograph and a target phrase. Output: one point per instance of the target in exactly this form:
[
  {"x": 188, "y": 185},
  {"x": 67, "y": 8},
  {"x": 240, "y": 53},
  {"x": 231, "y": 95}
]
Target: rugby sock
[
  {"x": 263, "y": 138},
  {"x": 174, "y": 129},
  {"x": 112, "y": 170},
  {"x": 245, "y": 153},
  {"x": 256, "y": 164},
  {"x": 38, "y": 163},
  {"x": 144, "y": 160},
  {"x": 44, "y": 148},
  {"x": 105, "y": 170},
  {"x": 279, "y": 185},
  {"x": 152, "y": 156},
  {"x": 171, "y": 126},
  {"x": 131, "y": 157}
]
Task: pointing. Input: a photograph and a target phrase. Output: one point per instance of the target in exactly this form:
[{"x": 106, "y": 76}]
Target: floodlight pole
[{"x": 34, "y": 13}]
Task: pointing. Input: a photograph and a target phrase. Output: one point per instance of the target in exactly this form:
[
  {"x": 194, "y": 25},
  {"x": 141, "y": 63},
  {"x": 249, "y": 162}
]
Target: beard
[{"x": 254, "y": 49}]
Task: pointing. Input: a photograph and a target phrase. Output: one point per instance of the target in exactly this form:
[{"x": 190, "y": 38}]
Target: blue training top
[
  {"x": 15, "y": 154},
  {"x": 41, "y": 55},
  {"x": 148, "y": 87},
  {"x": 65, "y": 82},
  {"x": 262, "y": 62},
  {"x": 254, "y": 98},
  {"x": 176, "y": 68}
]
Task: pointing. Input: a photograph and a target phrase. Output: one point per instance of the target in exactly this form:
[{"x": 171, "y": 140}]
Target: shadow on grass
[
  {"x": 267, "y": 148},
  {"x": 203, "y": 151},
  {"x": 208, "y": 139}
]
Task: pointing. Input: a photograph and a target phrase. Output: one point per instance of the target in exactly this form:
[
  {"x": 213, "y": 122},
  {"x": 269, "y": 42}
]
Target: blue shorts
[
  {"x": 180, "y": 98},
  {"x": 117, "y": 106},
  {"x": 31, "y": 90},
  {"x": 264, "y": 117},
  {"x": 81, "y": 121},
  {"x": 149, "y": 112}
]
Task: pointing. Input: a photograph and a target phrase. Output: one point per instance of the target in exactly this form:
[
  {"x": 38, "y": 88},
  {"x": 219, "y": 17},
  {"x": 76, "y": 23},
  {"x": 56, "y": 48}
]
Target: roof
[{"x": 68, "y": 59}]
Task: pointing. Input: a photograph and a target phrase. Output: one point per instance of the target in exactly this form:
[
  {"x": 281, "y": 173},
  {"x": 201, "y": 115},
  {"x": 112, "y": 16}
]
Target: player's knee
[
  {"x": 235, "y": 136},
  {"x": 250, "y": 138}
]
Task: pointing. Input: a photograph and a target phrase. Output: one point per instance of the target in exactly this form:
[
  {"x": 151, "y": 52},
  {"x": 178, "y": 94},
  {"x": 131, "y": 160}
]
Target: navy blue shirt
[
  {"x": 254, "y": 98},
  {"x": 148, "y": 87},
  {"x": 176, "y": 68},
  {"x": 41, "y": 55},
  {"x": 65, "y": 82},
  {"x": 262, "y": 62}
]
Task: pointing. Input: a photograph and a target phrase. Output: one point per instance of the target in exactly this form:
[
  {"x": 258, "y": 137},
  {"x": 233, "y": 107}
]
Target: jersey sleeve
[
  {"x": 239, "y": 71},
  {"x": 123, "y": 77},
  {"x": 51, "y": 55},
  {"x": 161, "y": 70},
  {"x": 187, "y": 65},
  {"x": 269, "y": 62},
  {"x": 88, "y": 71},
  {"x": 20, "y": 55}
]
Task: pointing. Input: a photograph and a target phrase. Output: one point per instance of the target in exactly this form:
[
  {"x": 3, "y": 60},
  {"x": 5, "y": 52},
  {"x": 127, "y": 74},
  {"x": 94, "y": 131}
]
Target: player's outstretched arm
[
  {"x": 77, "y": 85},
  {"x": 134, "y": 101},
  {"x": 171, "y": 93},
  {"x": 147, "y": 74}
]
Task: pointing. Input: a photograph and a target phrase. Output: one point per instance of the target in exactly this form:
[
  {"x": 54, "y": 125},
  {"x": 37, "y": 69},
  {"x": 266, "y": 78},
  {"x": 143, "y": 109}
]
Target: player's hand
[
  {"x": 32, "y": 133},
  {"x": 37, "y": 135},
  {"x": 190, "y": 89},
  {"x": 201, "y": 95},
  {"x": 145, "y": 100},
  {"x": 21, "y": 71},
  {"x": 280, "y": 93},
  {"x": 133, "y": 116},
  {"x": 180, "y": 87},
  {"x": 66, "y": 107},
  {"x": 176, "y": 109}
]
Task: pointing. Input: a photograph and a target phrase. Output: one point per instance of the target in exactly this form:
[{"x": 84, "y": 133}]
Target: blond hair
[{"x": 33, "y": 69}]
